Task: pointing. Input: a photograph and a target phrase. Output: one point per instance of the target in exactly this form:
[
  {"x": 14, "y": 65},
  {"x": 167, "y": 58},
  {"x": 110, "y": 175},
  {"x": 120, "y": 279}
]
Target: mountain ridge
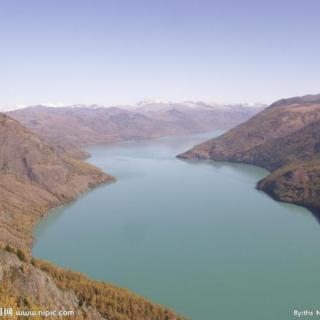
[
  {"x": 285, "y": 139},
  {"x": 143, "y": 103},
  {"x": 75, "y": 128}
]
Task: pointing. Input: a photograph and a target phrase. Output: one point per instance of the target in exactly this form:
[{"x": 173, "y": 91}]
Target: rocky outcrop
[
  {"x": 285, "y": 139},
  {"x": 27, "y": 287},
  {"x": 298, "y": 183},
  {"x": 40, "y": 286}
]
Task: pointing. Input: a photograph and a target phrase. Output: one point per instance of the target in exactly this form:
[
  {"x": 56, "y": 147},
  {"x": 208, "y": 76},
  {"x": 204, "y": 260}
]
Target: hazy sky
[{"x": 116, "y": 52}]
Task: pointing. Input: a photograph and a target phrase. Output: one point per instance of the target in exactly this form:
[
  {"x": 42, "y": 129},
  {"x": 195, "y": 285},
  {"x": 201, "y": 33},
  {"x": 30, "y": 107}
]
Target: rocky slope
[
  {"x": 38, "y": 285},
  {"x": 297, "y": 183},
  {"x": 35, "y": 177},
  {"x": 285, "y": 139},
  {"x": 78, "y": 126}
]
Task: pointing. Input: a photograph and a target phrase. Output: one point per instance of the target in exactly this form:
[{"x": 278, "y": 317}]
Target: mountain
[
  {"x": 285, "y": 139},
  {"x": 74, "y": 127},
  {"x": 34, "y": 177}
]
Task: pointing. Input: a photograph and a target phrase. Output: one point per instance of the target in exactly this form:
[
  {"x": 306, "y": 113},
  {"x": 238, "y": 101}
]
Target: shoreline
[
  {"x": 313, "y": 210},
  {"x": 68, "y": 283}
]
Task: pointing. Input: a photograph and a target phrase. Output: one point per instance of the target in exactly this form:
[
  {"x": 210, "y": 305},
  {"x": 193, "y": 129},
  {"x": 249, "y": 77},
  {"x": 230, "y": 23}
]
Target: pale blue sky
[{"x": 123, "y": 51}]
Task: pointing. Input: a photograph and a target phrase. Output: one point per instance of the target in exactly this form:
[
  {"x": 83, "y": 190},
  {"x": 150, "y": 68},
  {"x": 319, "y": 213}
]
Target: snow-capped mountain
[{"x": 145, "y": 105}]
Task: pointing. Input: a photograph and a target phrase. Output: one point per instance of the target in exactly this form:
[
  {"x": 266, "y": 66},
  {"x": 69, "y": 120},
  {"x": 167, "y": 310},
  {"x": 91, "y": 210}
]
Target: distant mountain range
[
  {"x": 150, "y": 103},
  {"x": 285, "y": 139},
  {"x": 76, "y": 126}
]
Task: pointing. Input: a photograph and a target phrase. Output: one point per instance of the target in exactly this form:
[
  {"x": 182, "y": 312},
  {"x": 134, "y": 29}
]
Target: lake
[{"x": 195, "y": 236}]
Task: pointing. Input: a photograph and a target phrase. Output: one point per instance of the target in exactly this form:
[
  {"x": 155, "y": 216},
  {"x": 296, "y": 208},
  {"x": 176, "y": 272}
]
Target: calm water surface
[{"x": 194, "y": 236}]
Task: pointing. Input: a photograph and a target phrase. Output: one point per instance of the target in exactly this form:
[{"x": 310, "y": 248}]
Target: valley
[
  {"x": 177, "y": 213},
  {"x": 191, "y": 235},
  {"x": 159, "y": 160}
]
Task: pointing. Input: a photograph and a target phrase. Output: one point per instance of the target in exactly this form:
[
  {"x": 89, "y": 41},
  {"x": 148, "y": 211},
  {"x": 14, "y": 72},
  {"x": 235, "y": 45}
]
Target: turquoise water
[{"x": 194, "y": 236}]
